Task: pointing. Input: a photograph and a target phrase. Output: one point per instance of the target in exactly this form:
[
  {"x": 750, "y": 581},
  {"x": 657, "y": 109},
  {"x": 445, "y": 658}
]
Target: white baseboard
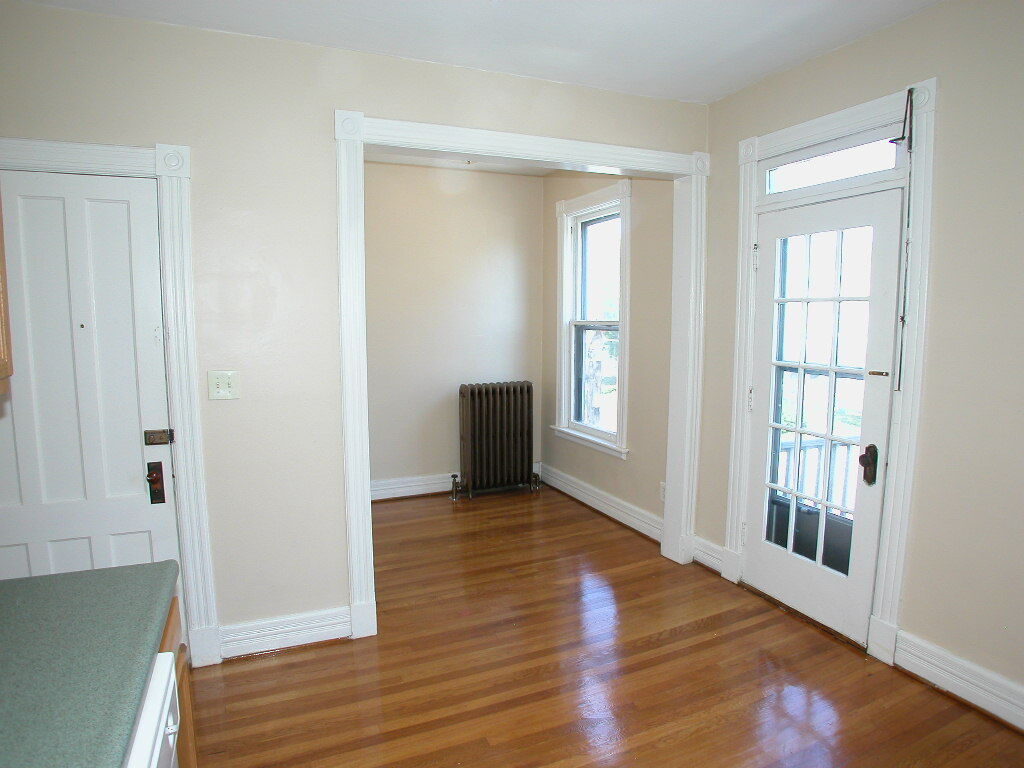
[
  {"x": 410, "y": 486},
  {"x": 732, "y": 565},
  {"x": 285, "y": 631},
  {"x": 982, "y": 687},
  {"x": 628, "y": 514},
  {"x": 882, "y": 637},
  {"x": 707, "y": 553},
  {"x": 364, "y": 620},
  {"x": 417, "y": 485},
  {"x": 204, "y": 646}
]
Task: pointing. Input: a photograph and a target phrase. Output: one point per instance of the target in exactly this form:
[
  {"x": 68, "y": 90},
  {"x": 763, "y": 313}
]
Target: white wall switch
[{"x": 223, "y": 385}]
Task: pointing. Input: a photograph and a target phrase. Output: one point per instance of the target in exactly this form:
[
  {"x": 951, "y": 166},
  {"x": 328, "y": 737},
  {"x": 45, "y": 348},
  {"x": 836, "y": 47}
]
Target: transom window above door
[
  {"x": 593, "y": 256},
  {"x": 831, "y": 168},
  {"x": 843, "y": 164}
]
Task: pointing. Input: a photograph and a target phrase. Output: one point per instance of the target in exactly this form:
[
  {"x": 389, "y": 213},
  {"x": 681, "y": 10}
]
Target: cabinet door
[{"x": 6, "y": 364}]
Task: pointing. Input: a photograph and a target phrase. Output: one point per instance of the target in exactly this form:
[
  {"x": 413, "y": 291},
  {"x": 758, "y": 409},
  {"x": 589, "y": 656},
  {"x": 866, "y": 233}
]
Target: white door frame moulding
[
  {"x": 888, "y": 110},
  {"x": 354, "y": 132},
  {"x": 686, "y": 360},
  {"x": 170, "y": 166}
]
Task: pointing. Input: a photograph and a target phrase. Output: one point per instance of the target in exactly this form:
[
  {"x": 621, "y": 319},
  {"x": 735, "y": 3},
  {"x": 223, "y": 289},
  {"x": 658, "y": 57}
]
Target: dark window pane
[
  {"x": 777, "y": 530},
  {"x": 805, "y": 533},
  {"x": 835, "y": 551}
]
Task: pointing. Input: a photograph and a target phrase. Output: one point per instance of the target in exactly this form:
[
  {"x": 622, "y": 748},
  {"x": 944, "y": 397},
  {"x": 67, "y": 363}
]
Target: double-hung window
[{"x": 593, "y": 292}]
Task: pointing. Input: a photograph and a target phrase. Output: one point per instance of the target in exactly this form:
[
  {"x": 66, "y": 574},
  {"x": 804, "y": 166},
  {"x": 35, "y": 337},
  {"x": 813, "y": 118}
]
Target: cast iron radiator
[{"x": 495, "y": 437}]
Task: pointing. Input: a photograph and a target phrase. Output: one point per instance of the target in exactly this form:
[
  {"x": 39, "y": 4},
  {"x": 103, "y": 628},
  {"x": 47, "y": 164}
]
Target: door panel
[
  {"x": 87, "y": 332},
  {"x": 825, "y": 317}
]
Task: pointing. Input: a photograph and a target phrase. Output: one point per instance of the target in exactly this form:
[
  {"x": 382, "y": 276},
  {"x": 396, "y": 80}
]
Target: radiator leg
[
  {"x": 534, "y": 482},
  {"x": 455, "y": 487}
]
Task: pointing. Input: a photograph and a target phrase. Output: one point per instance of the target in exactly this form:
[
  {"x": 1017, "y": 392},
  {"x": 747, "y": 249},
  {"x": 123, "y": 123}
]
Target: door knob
[
  {"x": 869, "y": 460},
  {"x": 155, "y": 478}
]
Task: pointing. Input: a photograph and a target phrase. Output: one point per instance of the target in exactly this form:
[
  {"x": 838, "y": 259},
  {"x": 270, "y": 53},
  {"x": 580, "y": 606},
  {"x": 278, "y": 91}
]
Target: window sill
[{"x": 604, "y": 446}]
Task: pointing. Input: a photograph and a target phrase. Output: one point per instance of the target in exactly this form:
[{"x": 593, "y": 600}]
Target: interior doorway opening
[{"x": 396, "y": 142}]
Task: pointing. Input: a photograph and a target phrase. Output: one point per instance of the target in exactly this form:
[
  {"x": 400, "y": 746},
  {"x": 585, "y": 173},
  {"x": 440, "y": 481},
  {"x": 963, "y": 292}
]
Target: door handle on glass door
[{"x": 869, "y": 460}]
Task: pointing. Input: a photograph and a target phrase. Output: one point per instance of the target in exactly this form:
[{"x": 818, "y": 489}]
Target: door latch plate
[{"x": 158, "y": 436}]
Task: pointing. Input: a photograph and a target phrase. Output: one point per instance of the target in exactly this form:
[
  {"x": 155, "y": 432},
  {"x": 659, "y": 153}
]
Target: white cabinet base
[{"x": 156, "y": 727}]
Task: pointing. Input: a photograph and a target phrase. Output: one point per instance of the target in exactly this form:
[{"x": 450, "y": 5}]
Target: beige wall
[
  {"x": 636, "y": 478},
  {"x": 259, "y": 116},
  {"x": 461, "y": 286},
  {"x": 454, "y": 274},
  {"x": 964, "y": 570}
]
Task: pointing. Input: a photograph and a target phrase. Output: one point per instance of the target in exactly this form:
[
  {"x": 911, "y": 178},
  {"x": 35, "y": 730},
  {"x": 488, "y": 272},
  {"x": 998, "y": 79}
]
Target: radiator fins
[{"x": 495, "y": 437}]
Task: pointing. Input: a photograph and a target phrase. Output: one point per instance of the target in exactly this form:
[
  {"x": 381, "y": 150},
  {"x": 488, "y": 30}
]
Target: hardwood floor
[{"x": 528, "y": 630}]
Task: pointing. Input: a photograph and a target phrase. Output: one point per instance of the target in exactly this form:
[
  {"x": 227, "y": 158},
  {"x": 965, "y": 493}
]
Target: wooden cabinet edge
[
  {"x": 6, "y": 362},
  {"x": 171, "y": 641},
  {"x": 172, "y": 628},
  {"x": 186, "y": 725}
]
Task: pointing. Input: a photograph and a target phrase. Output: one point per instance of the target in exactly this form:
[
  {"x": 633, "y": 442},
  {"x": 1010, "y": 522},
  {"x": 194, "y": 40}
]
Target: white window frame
[{"x": 571, "y": 213}]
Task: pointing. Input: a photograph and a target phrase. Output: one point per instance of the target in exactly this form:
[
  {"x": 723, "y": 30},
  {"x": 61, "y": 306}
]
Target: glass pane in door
[{"x": 821, "y": 323}]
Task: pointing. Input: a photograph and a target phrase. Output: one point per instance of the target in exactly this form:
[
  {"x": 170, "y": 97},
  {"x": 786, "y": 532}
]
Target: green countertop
[{"x": 75, "y": 654}]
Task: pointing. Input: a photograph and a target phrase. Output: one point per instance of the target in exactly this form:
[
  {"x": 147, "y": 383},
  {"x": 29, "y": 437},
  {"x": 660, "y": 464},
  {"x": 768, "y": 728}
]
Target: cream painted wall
[
  {"x": 636, "y": 478},
  {"x": 259, "y": 116},
  {"x": 964, "y": 570},
  {"x": 454, "y": 271}
]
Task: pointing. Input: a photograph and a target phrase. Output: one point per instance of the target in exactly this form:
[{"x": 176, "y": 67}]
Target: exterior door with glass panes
[{"x": 824, "y": 338}]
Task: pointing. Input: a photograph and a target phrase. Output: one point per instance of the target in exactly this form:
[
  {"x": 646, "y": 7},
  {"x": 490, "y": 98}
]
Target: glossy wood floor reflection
[{"x": 528, "y": 630}]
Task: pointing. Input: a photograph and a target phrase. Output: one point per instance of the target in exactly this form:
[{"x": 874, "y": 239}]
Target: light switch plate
[{"x": 223, "y": 385}]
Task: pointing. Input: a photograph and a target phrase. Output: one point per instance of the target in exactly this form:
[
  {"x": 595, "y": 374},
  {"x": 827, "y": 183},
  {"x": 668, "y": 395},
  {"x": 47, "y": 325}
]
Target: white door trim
[
  {"x": 906, "y": 403},
  {"x": 353, "y": 132},
  {"x": 170, "y": 166}
]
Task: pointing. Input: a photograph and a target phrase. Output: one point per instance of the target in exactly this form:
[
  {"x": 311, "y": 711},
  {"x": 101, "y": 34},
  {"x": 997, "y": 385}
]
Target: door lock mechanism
[
  {"x": 869, "y": 460},
  {"x": 155, "y": 478}
]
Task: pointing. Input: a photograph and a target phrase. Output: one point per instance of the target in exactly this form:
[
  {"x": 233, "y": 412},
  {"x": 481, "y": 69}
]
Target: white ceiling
[{"x": 691, "y": 50}]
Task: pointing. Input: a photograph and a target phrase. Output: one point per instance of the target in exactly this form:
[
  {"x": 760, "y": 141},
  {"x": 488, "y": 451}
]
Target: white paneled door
[
  {"x": 84, "y": 279},
  {"x": 824, "y": 333}
]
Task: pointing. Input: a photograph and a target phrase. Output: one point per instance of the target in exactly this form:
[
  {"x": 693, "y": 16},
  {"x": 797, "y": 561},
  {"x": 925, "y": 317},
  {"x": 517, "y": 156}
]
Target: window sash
[
  {"x": 580, "y": 225},
  {"x": 577, "y": 332}
]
